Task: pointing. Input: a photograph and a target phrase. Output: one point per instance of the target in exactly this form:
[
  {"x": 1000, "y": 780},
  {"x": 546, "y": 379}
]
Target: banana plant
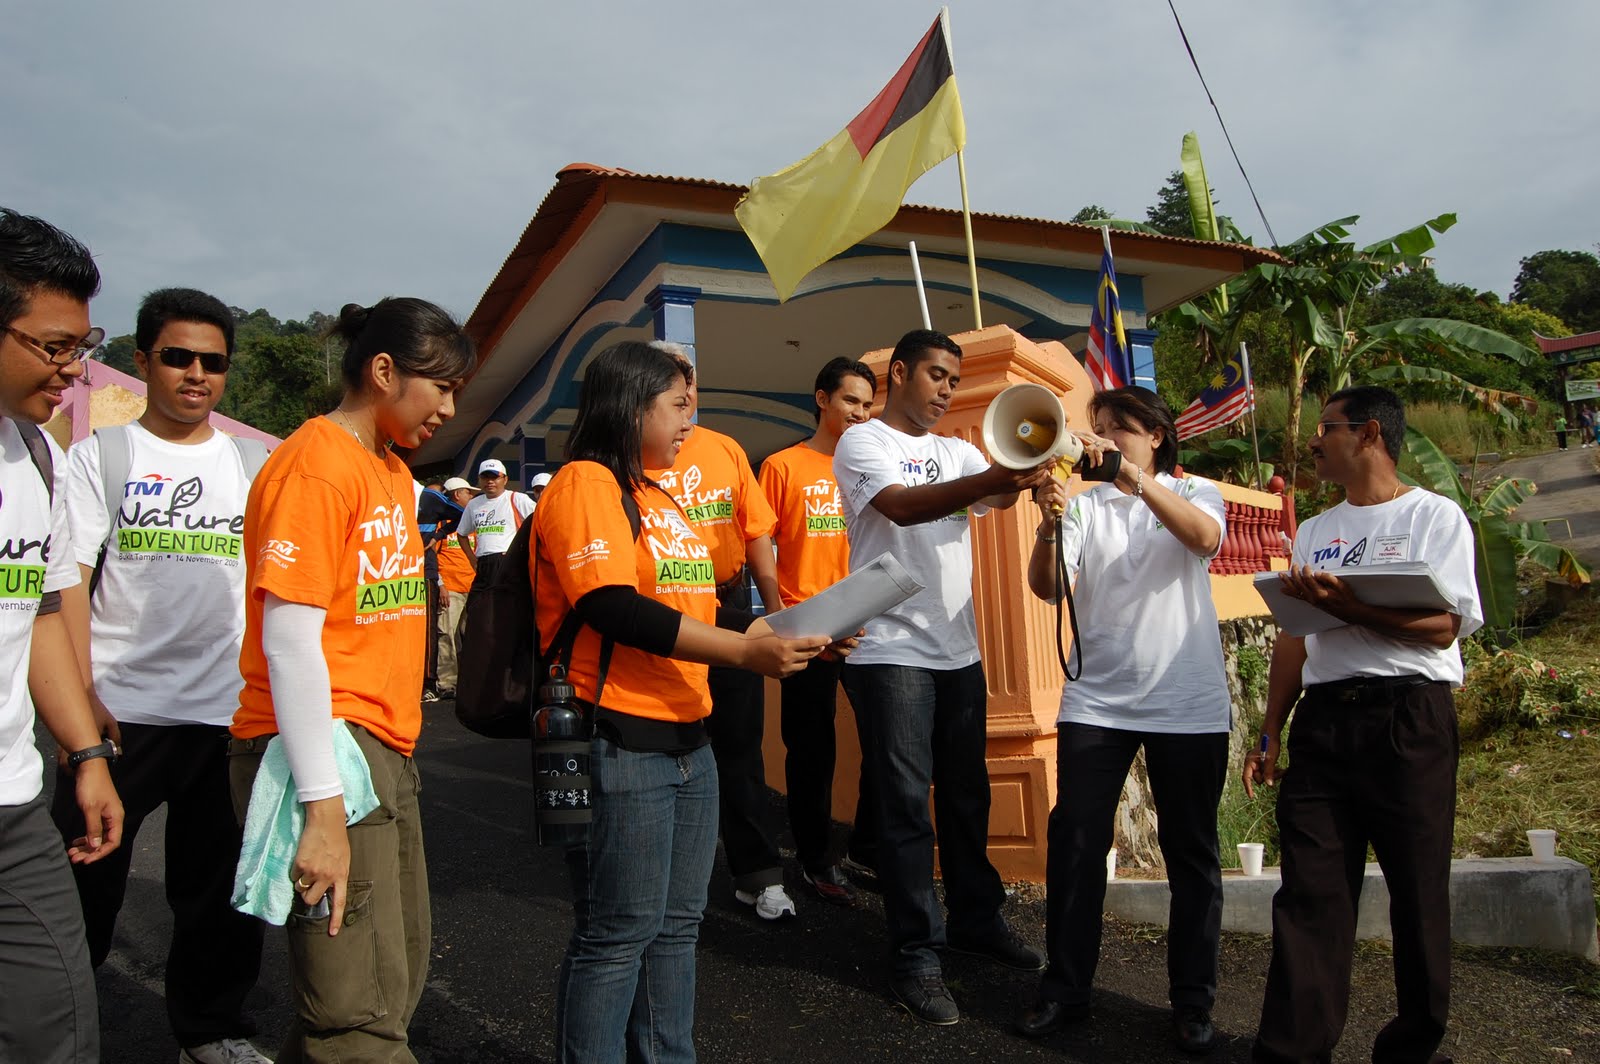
[{"x": 1498, "y": 541}]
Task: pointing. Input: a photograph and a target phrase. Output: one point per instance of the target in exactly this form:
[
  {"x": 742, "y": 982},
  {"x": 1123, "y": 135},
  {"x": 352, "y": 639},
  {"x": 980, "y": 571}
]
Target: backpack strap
[
  {"x": 253, "y": 453},
  {"x": 39, "y": 450},
  {"x": 116, "y": 463},
  {"x": 45, "y": 463}
]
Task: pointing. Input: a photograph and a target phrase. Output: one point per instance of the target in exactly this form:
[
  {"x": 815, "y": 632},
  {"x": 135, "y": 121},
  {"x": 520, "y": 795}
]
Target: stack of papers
[
  {"x": 1398, "y": 585},
  {"x": 840, "y": 611}
]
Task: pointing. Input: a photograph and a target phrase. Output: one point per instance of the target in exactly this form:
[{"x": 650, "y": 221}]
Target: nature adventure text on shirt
[
  {"x": 713, "y": 482},
  {"x": 813, "y": 547},
  {"x": 494, "y": 522}
]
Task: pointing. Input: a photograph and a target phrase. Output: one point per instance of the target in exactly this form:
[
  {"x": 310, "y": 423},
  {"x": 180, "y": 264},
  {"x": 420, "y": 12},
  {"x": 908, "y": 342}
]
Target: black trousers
[
  {"x": 1376, "y": 764},
  {"x": 737, "y": 725},
  {"x": 215, "y": 953},
  {"x": 809, "y": 706},
  {"x": 1186, "y": 779},
  {"x": 430, "y": 670}
]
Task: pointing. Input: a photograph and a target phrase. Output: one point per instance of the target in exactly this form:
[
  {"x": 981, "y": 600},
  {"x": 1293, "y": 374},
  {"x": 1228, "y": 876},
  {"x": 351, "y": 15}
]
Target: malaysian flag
[
  {"x": 1107, "y": 358},
  {"x": 1229, "y": 397}
]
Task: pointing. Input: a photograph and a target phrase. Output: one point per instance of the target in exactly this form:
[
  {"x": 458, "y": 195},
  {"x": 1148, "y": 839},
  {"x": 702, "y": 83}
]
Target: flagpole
[
  {"x": 1250, "y": 391},
  {"x": 972, "y": 255},
  {"x": 922, "y": 293}
]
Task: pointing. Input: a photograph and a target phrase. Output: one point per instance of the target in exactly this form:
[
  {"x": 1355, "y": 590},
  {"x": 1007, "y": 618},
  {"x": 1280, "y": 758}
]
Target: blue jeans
[
  {"x": 626, "y": 989},
  {"x": 922, "y": 728}
]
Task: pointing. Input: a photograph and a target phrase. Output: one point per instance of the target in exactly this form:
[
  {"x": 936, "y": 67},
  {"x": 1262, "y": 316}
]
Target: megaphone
[{"x": 1026, "y": 425}]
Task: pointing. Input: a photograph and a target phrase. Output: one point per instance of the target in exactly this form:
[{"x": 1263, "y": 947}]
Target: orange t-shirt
[
  {"x": 813, "y": 550},
  {"x": 329, "y": 525},
  {"x": 713, "y": 482},
  {"x": 582, "y": 542},
  {"x": 454, "y": 569}
]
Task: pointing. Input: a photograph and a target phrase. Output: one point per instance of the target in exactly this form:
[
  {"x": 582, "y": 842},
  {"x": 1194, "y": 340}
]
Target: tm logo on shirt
[
  {"x": 926, "y": 468},
  {"x": 1330, "y": 552}
]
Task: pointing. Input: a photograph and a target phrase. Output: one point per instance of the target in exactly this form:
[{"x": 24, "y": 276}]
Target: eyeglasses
[
  {"x": 62, "y": 352},
  {"x": 1324, "y": 426},
  {"x": 183, "y": 358}
]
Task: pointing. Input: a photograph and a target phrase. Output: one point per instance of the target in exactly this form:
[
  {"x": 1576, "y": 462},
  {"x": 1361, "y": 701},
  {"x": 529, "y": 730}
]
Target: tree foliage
[
  {"x": 1093, "y": 213},
  {"x": 1563, "y": 283},
  {"x": 283, "y": 372},
  {"x": 1169, "y": 214}
]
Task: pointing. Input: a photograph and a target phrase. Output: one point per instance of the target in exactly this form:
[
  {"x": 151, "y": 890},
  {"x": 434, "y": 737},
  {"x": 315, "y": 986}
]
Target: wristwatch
[{"x": 107, "y": 750}]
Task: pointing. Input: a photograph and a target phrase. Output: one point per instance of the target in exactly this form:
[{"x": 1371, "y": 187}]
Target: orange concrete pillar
[{"x": 1016, "y": 632}]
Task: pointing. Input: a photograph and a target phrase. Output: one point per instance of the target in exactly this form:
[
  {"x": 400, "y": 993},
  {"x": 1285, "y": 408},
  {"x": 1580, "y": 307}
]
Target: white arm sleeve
[{"x": 302, "y": 694}]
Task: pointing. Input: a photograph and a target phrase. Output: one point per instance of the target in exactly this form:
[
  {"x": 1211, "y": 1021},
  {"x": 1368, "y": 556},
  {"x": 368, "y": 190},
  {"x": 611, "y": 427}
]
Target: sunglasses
[
  {"x": 61, "y": 352},
  {"x": 183, "y": 358},
  {"x": 1324, "y": 426}
]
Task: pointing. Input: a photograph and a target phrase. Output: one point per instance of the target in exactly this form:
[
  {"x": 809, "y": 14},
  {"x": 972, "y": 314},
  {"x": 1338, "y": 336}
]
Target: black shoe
[
  {"x": 1005, "y": 947},
  {"x": 925, "y": 997},
  {"x": 861, "y": 874},
  {"x": 1191, "y": 1027},
  {"x": 1047, "y": 1017},
  {"x": 832, "y": 885}
]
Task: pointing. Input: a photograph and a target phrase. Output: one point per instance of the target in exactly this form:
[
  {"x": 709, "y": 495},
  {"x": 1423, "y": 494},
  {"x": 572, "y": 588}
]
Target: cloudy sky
[{"x": 296, "y": 156}]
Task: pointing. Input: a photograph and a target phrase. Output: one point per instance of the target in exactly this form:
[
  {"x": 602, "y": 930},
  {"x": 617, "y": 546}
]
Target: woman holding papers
[
  {"x": 1139, "y": 549},
  {"x": 626, "y": 987},
  {"x": 332, "y": 664}
]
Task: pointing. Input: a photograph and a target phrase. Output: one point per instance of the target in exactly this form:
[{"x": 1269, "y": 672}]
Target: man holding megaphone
[{"x": 916, "y": 680}]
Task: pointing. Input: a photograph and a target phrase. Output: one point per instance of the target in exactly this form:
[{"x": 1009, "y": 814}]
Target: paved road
[
  {"x": 1569, "y": 495},
  {"x": 806, "y": 991}
]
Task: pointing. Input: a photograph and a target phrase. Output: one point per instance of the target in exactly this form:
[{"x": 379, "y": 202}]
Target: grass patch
[{"x": 1530, "y": 750}]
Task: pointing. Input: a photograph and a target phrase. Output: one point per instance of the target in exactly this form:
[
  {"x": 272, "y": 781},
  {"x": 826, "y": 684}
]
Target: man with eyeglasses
[
  {"x": 47, "y": 991},
  {"x": 156, "y": 510},
  {"x": 1374, "y": 743}
]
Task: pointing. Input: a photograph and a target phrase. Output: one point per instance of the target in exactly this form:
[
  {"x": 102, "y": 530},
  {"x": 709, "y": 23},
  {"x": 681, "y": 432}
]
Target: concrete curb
[{"x": 1494, "y": 901}]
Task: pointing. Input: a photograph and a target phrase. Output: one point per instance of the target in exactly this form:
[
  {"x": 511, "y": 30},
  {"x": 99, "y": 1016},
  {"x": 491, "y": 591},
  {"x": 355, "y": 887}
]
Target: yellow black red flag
[{"x": 852, "y": 186}]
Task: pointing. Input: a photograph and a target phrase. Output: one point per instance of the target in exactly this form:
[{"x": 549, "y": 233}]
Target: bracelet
[
  {"x": 1042, "y": 538},
  {"x": 107, "y": 750},
  {"x": 1138, "y": 484}
]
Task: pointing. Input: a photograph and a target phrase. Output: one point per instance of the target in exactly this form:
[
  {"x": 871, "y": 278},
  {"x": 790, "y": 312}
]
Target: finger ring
[{"x": 301, "y": 884}]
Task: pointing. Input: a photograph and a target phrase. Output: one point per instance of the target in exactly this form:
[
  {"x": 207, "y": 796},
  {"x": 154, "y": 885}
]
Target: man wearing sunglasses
[
  {"x": 491, "y": 521},
  {"x": 1374, "y": 742},
  {"x": 157, "y": 510},
  {"x": 47, "y": 992}
]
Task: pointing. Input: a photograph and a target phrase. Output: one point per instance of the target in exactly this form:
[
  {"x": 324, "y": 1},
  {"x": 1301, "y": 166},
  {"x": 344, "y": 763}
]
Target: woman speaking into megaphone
[{"x": 1139, "y": 549}]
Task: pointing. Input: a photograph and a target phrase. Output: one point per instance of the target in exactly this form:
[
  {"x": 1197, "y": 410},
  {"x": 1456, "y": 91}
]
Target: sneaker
[
  {"x": 924, "y": 996},
  {"x": 1192, "y": 1030},
  {"x": 447, "y": 694},
  {"x": 773, "y": 903},
  {"x": 1005, "y": 947},
  {"x": 430, "y": 696},
  {"x": 223, "y": 1051},
  {"x": 831, "y": 885}
]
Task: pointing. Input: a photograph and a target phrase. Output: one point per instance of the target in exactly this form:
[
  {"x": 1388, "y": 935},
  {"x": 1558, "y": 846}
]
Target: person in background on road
[
  {"x": 334, "y": 632},
  {"x": 1373, "y": 747},
  {"x": 1139, "y": 550},
  {"x": 47, "y": 991},
  {"x": 537, "y": 485},
  {"x": 432, "y": 536},
  {"x": 1589, "y": 430},
  {"x": 814, "y": 553},
  {"x": 1561, "y": 430},
  {"x": 916, "y": 682},
  {"x": 455, "y": 576},
  {"x": 159, "y": 544},
  {"x": 491, "y": 521},
  {"x": 627, "y": 983},
  {"x": 714, "y": 484}
]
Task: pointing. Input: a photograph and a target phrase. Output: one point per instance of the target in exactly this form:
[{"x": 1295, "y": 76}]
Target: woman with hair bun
[{"x": 335, "y": 626}]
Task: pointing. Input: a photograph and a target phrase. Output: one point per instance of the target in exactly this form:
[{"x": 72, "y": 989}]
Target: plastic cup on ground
[
  {"x": 1111, "y": 864},
  {"x": 1542, "y": 842},
  {"x": 1250, "y": 857}
]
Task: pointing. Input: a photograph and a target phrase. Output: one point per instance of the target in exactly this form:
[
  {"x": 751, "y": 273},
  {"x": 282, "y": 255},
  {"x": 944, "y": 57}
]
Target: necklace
[
  {"x": 1396, "y": 494},
  {"x": 383, "y": 463}
]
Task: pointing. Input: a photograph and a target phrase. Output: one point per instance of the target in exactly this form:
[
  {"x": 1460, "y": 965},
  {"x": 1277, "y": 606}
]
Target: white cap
[
  {"x": 492, "y": 465},
  {"x": 539, "y": 480},
  {"x": 456, "y": 484}
]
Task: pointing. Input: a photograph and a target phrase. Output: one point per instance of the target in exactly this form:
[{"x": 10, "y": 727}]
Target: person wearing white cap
[
  {"x": 537, "y": 484},
  {"x": 491, "y": 520}
]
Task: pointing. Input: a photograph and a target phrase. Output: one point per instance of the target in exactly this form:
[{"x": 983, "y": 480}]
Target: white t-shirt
[
  {"x": 35, "y": 557},
  {"x": 494, "y": 521},
  {"x": 167, "y": 619},
  {"x": 1152, "y": 656},
  {"x": 936, "y": 628},
  {"x": 1419, "y": 526}
]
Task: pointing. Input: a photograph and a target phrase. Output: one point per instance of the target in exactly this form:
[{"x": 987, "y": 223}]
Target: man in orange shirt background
[
  {"x": 713, "y": 482},
  {"x": 813, "y": 553},
  {"x": 456, "y": 572}
]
